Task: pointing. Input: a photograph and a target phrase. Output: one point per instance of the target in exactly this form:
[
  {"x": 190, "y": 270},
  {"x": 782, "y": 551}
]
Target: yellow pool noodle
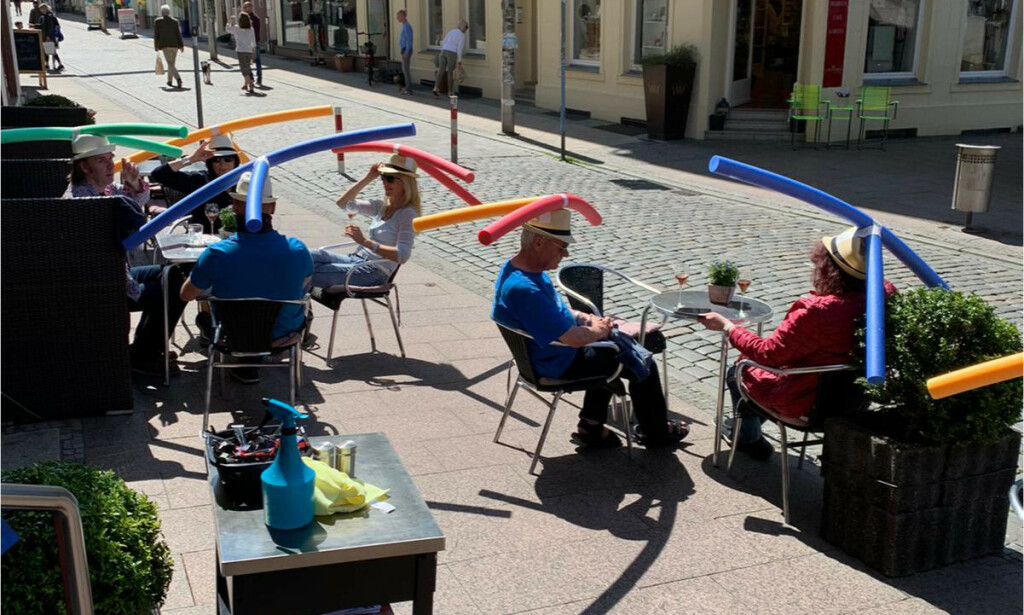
[
  {"x": 467, "y": 214},
  {"x": 976, "y": 376}
]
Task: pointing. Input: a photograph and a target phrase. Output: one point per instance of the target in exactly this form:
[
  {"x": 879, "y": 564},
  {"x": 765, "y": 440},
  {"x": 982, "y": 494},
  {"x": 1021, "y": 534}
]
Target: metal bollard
[
  {"x": 972, "y": 187},
  {"x": 453, "y": 103},
  {"x": 337, "y": 128}
]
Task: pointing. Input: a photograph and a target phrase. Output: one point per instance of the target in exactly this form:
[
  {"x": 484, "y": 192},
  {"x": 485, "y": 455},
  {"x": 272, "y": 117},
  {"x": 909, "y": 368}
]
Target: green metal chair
[
  {"x": 806, "y": 104},
  {"x": 875, "y": 104}
]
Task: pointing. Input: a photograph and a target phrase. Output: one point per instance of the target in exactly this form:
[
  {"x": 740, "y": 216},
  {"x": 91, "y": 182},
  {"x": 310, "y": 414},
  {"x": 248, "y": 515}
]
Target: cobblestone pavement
[{"x": 644, "y": 231}]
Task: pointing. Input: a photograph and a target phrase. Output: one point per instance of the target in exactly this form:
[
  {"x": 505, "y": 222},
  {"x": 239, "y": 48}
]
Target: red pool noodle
[
  {"x": 419, "y": 156},
  {"x": 497, "y": 229},
  {"x": 449, "y": 183}
]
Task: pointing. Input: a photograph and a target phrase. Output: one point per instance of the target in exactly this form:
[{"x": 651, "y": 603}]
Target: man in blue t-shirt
[
  {"x": 265, "y": 264},
  {"x": 525, "y": 298}
]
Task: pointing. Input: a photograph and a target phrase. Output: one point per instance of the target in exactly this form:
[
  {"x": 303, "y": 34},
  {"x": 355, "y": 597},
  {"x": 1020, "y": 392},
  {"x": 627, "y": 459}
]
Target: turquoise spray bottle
[{"x": 287, "y": 483}]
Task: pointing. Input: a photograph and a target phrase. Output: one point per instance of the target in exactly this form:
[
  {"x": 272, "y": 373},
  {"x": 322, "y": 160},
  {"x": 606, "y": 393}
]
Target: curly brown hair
[{"x": 828, "y": 278}]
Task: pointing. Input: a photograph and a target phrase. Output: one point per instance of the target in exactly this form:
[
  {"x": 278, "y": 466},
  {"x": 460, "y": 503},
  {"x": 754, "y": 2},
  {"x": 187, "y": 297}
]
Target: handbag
[
  {"x": 49, "y": 47},
  {"x": 159, "y": 65},
  {"x": 459, "y": 74},
  {"x": 57, "y": 34}
]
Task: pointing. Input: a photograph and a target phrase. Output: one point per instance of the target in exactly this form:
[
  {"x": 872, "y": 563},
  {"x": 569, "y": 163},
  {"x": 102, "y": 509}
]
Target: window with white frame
[
  {"x": 987, "y": 37},
  {"x": 650, "y": 29},
  {"x": 476, "y": 16},
  {"x": 435, "y": 25},
  {"x": 585, "y": 20},
  {"x": 893, "y": 30}
]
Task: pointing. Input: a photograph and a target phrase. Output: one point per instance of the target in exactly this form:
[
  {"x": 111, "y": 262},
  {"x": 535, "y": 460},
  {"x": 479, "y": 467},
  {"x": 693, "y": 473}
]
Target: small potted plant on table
[
  {"x": 228, "y": 223},
  {"x": 722, "y": 278}
]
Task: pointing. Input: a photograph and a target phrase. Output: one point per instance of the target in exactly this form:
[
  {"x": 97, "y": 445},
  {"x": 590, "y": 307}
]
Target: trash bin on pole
[{"x": 972, "y": 187}]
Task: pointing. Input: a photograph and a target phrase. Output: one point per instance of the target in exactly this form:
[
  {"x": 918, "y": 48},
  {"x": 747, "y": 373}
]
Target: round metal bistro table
[{"x": 690, "y": 304}]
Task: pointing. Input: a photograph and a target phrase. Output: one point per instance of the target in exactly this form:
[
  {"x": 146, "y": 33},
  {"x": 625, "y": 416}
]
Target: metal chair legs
[
  {"x": 508, "y": 408},
  {"x": 334, "y": 326},
  {"x": 785, "y": 473},
  {"x": 366, "y": 313},
  {"x": 732, "y": 445},
  {"x": 544, "y": 432},
  {"x": 394, "y": 323},
  {"x": 803, "y": 450}
]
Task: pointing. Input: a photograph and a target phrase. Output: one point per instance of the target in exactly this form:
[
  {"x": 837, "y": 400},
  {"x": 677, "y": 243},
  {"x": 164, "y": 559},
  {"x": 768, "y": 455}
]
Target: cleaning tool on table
[
  {"x": 287, "y": 484},
  {"x": 337, "y": 492}
]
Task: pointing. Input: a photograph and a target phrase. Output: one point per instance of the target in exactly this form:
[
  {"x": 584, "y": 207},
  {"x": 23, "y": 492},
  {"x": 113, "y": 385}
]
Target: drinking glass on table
[
  {"x": 742, "y": 284},
  {"x": 212, "y": 211},
  {"x": 682, "y": 273},
  {"x": 194, "y": 234}
]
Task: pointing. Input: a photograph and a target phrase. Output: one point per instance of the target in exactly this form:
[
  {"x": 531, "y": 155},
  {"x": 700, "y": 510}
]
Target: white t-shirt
[
  {"x": 396, "y": 231},
  {"x": 454, "y": 41},
  {"x": 245, "y": 39}
]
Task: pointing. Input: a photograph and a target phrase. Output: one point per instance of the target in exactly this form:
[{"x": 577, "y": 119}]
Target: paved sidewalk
[{"x": 594, "y": 533}]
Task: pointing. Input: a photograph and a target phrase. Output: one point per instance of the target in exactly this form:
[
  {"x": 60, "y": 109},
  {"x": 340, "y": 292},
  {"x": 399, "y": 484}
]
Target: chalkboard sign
[{"x": 28, "y": 46}]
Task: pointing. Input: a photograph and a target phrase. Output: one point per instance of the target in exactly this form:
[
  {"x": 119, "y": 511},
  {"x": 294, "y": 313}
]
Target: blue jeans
[
  {"x": 256, "y": 56},
  {"x": 330, "y": 269},
  {"x": 750, "y": 430},
  {"x": 149, "y": 334}
]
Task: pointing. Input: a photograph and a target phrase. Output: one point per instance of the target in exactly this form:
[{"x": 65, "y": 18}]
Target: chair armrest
[
  {"x": 895, "y": 107},
  {"x": 791, "y": 371},
  {"x": 348, "y": 276},
  {"x": 632, "y": 281},
  {"x": 575, "y": 295},
  {"x": 331, "y": 246}
]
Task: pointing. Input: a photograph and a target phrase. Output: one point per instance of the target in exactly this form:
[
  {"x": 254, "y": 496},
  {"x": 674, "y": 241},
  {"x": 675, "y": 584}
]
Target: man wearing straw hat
[
  {"x": 525, "y": 298},
  {"x": 264, "y": 264},
  {"x": 92, "y": 175}
]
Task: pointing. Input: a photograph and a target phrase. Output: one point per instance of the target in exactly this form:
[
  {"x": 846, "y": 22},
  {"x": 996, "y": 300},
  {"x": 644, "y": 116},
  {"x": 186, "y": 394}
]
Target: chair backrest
[
  {"x": 34, "y": 179},
  {"x": 37, "y": 149},
  {"x": 519, "y": 345},
  {"x": 30, "y": 117},
  {"x": 247, "y": 325},
  {"x": 874, "y": 98},
  {"x": 586, "y": 280},
  {"x": 838, "y": 395},
  {"x": 806, "y": 99}
]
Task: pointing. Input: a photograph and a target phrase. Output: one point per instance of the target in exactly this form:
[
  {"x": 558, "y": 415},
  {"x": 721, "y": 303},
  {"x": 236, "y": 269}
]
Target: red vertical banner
[{"x": 835, "y": 43}]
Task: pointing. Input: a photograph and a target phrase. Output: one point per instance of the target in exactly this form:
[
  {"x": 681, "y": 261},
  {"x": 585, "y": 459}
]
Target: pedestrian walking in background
[
  {"x": 451, "y": 56},
  {"x": 257, "y": 52},
  {"x": 34, "y": 15},
  {"x": 405, "y": 48},
  {"x": 167, "y": 39},
  {"x": 50, "y": 27},
  {"x": 245, "y": 43},
  {"x": 17, "y": 7}
]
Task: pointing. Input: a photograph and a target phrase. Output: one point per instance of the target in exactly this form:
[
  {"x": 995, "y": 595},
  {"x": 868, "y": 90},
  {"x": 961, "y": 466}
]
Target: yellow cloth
[{"x": 336, "y": 492}]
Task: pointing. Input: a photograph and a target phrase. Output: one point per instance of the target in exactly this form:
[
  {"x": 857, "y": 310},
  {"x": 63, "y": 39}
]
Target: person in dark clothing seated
[
  {"x": 524, "y": 298},
  {"x": 817, "y": 330},
  {"x": 220, "y": 158}
]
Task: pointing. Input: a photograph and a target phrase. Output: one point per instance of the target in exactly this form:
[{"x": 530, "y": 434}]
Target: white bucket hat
[
  {"x": 86, "y": 146},
  {"x": 242, "y": 189},
  {"x": 221, "y": 145}
]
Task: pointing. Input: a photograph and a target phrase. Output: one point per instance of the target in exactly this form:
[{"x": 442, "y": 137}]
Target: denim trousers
[
  {"x": 750, "y": 431},
  {"x": 330, "y": 269},
  {"x": 649, "y": 404},
  {"x": 258, "y": 59},
  {"x": 149, "y": 335}
]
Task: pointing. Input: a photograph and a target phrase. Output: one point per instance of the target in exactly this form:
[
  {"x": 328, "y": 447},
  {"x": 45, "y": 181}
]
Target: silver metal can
[
  {"x": 346, "y": 459},
  {"x": 326, "y": 452}
]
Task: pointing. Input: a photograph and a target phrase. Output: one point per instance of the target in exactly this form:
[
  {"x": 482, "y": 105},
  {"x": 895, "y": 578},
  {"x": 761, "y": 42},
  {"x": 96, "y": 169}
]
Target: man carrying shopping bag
[{"x": 167, "y": 39}]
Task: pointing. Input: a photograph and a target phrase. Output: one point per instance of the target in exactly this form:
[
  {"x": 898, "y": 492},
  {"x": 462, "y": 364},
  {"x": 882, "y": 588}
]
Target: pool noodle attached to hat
[
  {"x": 222, "y": 183},
  {"x": 59, "y": 133},
  {"x": 146, "y": 145},
  {"x": 468, "y": 214},
  {"x": 497, "y": 229},
  {"x": 976, "y": 376},
  {"x": 419, "y": 156}
]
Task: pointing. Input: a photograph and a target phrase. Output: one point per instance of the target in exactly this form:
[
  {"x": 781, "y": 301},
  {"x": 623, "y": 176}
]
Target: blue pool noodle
[
  {"x": 254, "y": 200},
  {"x": 874, "y": 359},
  {"x": 222, "y": 183}
]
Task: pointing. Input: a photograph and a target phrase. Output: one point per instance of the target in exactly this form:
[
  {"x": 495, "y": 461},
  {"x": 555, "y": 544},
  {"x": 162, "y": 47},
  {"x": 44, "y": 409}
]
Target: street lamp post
[
  {"x": 195, "y": 70},
  {"x": 508, "y": 67}
]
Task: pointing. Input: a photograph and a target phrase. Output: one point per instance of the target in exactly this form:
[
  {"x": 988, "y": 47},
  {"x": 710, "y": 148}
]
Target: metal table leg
[
  {"x": 167, "y": 334},
  {"x": 722, "y": 358}
]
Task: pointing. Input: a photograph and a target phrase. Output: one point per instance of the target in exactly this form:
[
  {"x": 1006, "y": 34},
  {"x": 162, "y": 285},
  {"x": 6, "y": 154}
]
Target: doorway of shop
[{"x": 765, "y": 52}]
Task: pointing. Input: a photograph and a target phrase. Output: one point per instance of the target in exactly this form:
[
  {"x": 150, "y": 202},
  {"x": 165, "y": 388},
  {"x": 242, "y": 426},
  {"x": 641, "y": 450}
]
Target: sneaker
[
  {"x": 154, "y": 366},
  {"x": 246, "y": 375},
  {"x": 759, "y": 450}
]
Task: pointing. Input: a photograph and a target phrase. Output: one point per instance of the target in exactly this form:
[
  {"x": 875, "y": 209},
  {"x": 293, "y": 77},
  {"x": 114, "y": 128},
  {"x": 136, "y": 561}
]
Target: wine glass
[
  {"x": 682, "y": 274},
  {"x": 212, "y": 211},
  {"x": 743, "y": 284},
  {"x": 351, "y": 210}
]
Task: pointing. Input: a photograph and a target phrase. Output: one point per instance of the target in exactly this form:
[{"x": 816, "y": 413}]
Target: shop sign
[{"x": 835, "y": 43}]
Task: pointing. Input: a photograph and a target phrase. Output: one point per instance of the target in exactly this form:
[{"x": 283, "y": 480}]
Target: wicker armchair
[
  {"x": 37, "y": 149},
  {"x": 34, "y": 179},
  {"x": 65, "y": 316},
  {"x": 29, "y": 117}
]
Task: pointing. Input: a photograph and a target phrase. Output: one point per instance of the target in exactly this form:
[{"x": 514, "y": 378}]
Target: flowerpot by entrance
[
  {"x": 720, "y": 295},
  {"x": 345, "y": 64},
  {"x": 667, "y": 92}
]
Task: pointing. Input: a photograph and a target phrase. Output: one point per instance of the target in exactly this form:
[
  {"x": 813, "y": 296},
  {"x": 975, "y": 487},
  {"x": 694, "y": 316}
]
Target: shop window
[
  {"x": 476, "y": 16},
  {"x": 435, "y": 26},
  {"x": 341, "y": 25},
  {"x": 987, "y": 37},
  {"x": 586, "y": 31},
  {"x": 893, "y": 28},
  {"x": 296, "y": 19},
  {"x": 650, "y": 29}
]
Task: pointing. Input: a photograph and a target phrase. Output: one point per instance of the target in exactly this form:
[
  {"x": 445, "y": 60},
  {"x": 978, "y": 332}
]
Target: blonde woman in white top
[
  {"x": 390, "y": 235},
  {"x": 245, "y": 45}
]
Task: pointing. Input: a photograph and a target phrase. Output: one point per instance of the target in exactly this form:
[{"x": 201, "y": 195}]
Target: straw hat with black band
[
  {"x": 847, "y": 251},
  {"x": 399, "y": 165},
  {"x": 241, "y": 191},
  {"x": 87, "y": 146},
  {"x": 556, "y": 225}
]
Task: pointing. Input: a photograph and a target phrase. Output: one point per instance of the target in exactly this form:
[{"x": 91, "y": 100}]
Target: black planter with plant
[
  {"x": 130, "y": 564},
  {"x": 668, "y": 86},
  {"x": 920, "y": 483}
]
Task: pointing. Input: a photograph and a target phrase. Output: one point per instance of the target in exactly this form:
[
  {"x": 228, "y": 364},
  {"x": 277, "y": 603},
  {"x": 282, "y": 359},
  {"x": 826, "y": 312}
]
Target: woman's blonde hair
[
  {"x": 412, "y": 192},
  {"x": 243, "y": 21}
]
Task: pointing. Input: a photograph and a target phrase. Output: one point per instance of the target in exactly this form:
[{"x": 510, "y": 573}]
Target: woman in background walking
[
  {"x": 167, "y": 39},
  {"x": 245, "y": 46},
  {"x": 50, "y": 26},
  {"x": 17, "y": 7}
]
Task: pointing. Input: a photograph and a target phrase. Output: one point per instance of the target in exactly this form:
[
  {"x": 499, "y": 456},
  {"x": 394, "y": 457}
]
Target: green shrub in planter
[
  {"x": 930, "y": 332},
  {"x": 55, "y": 100},
  {"x": 129, "y": 563},
  {"x": 723, "y": 273}
]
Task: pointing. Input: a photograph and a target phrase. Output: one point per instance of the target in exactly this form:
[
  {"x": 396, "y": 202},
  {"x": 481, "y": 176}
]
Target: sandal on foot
[
  {"x": 596, "y": 437},
  {"x": 677, "y": 431}
]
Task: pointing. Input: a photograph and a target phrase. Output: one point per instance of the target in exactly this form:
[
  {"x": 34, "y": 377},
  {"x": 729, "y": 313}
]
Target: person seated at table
[
  {"x": 264, "y": 264},
  {"x": 390, "y": 234},
  {"x": 220, "y": 157},
  {"x": 817, "y": 330},
  {"x": 525, "y": 298},
  {"x": 92, "y": 175}
]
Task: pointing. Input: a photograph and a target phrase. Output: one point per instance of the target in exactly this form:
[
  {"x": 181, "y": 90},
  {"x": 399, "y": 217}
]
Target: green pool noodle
[
  {"x": 146, "y": 145},
  {"x": 20, "y": 135}
]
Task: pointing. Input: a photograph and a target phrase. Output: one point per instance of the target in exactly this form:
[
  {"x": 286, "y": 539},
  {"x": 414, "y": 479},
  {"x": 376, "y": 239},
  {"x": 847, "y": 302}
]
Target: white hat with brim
[
  {"x": 86, "y": 146},
  {"x": 847, "y": 251},
  {"x": 241, "y": 191},
  {"x": 221, "y": 145},
  {"x": 556, "y": 225},
  {"x": 399, "y": 165}
]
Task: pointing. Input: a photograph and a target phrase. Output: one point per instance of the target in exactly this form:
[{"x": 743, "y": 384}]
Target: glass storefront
[
  {"x": 330, "y": 24},
  {"x": 987, "y": 38},
  {"x": 892, "y": 36},
  {"x": 586, "y": 31}
]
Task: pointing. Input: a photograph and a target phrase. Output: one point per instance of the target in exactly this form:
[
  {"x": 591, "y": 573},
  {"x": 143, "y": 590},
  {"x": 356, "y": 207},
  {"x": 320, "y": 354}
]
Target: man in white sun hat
[
  {"x": 525, "y": 298},
  {"x": 92, "y": 175},
  {"x": 264, "y": 264}
]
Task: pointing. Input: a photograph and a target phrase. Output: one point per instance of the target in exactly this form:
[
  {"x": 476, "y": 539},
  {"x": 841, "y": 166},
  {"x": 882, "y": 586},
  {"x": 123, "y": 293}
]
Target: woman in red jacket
[{"x": 817, "y": 330}]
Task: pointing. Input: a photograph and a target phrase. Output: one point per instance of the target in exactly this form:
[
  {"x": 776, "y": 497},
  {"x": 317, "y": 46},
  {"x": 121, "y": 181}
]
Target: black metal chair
[
  {"x": 332, "y": 296},
  {"x": 518, "y": 344},
  {"x": 243, "y": 329},
  {"x": 34, "y": 178},
  {"x": 837, "y": 394}
]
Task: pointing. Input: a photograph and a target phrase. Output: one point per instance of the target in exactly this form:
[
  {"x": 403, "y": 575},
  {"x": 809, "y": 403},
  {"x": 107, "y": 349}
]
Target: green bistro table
[{"x": 343, "y": 561}]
